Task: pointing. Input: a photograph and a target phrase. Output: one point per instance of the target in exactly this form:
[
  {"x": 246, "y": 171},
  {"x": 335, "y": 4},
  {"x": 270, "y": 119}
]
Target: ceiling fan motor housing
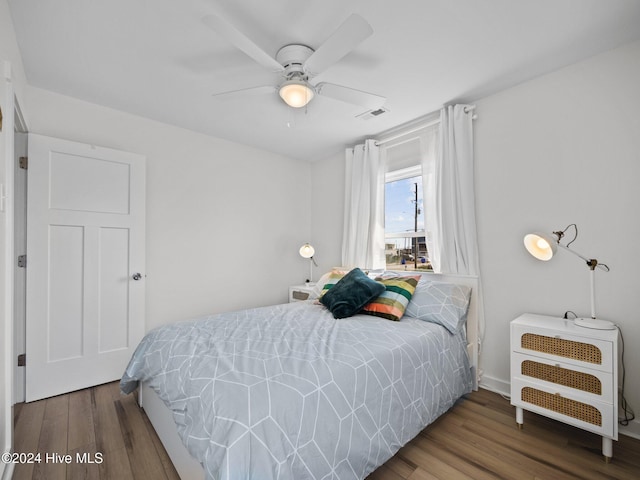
[{"x": 292, "y": 58}]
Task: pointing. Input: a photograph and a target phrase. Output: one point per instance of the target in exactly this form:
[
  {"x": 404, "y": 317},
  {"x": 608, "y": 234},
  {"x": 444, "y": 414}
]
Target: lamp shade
[
  {"x": 541, "y": 245},
  {"x": 296, "y": 93},
  {"x": 307, "y": 251}
]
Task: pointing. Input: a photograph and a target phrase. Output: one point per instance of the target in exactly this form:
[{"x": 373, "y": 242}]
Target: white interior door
[{"x": 85, "y": 250}]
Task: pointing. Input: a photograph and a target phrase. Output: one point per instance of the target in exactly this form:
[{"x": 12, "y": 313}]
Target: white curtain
[
  {"x": 450, "y": 218},
  {"x": 363, "y": 238}
]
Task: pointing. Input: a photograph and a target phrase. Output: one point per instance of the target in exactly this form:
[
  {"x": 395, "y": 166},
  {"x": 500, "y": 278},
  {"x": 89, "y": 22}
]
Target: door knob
[{"x": 136, "y": 276}]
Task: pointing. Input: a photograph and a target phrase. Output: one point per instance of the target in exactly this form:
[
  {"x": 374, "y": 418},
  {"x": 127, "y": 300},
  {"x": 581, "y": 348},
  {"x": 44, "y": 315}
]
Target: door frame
[
  {"x": 20, "y": 248},
  {"x": 6, "y": 300}
]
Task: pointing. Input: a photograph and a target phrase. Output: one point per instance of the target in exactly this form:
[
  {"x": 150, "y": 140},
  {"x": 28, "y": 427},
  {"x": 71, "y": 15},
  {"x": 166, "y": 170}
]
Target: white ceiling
[{"x": 157, "y": 59}]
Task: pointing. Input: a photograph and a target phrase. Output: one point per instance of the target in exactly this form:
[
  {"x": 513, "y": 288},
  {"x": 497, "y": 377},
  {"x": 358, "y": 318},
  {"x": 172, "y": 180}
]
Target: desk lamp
[
  {"x": 543, "y": 246},
  {"x": 307, "y": 251}
]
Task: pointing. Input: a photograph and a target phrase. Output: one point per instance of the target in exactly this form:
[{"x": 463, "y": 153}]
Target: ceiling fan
[{"x": 298, "y": 64}]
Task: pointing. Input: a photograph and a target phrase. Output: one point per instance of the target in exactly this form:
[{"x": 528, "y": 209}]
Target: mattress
[{"x": 289, "y": 392}]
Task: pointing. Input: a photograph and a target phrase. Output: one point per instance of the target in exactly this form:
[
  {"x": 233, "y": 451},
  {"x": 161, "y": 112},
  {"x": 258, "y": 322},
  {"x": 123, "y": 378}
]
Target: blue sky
[{"x": 399, "y": 205}]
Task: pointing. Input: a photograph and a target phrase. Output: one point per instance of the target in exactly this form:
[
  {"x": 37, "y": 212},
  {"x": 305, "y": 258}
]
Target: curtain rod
[
  {"x": 467, "y": 109},
  {"x": 408, "y": 132}
]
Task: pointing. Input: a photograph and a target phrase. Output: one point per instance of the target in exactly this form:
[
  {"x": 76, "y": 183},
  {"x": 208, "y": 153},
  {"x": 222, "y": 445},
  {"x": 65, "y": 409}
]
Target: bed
[{"x": 289, "y": 392}]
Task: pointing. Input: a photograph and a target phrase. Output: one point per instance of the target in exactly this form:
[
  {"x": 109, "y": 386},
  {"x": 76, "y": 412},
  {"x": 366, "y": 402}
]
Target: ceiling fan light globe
[{"x": 296, "y": 94}]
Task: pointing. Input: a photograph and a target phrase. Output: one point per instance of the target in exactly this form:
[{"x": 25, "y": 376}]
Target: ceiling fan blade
[
  {"x": 367, "y": 100},
  {"x": 245, "y": 92},
  {"x": 242, "y": 42},
  {"x": 348, "y": 35}
]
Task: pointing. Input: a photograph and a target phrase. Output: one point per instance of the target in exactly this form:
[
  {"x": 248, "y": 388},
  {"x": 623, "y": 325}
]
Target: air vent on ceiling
[{"x": 372, "y": 113}]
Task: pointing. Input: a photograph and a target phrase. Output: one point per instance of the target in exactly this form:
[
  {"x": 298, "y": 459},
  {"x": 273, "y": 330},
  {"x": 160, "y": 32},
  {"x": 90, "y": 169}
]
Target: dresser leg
[
  {"x": 607, "y": 449},
  {"x": 519, "y": 417}
]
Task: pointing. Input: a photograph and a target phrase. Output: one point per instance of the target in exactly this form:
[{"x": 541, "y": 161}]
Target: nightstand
[
  {"x": 566, "y": 372},
  {"x": 298, "y": 293}
]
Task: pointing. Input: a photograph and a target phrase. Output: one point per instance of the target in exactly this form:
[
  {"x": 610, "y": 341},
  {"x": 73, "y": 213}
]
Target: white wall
[
  {"x": 9, "y": 49},
  {"x": 327, "y": 207},
  {"x": 563, "y": 148},
  {"x": 224, "y": 221}
]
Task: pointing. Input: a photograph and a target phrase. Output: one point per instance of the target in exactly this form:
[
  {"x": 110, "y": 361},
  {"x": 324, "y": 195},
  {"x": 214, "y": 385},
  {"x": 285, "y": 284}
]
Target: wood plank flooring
[
  {"x": 477, "y": 439},
  {"x": 89, "y": 422}
]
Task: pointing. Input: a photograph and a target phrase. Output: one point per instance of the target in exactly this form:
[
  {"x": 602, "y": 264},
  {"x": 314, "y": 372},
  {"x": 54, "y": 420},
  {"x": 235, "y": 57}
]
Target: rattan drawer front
[
  {"x": 563, "y": 347},
  {"x": 573, "y": 407},
  {"x": 562, "y": 376},
  {"x": 297, "y": 295},
  {"x": 565, "y": 406},
  {"x": 585, "y": 352}
]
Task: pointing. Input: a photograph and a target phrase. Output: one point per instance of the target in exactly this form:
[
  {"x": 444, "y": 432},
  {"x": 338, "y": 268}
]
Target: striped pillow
[
  {"x": 394, "y": 300},
  {"x": 330, "y": 279}
]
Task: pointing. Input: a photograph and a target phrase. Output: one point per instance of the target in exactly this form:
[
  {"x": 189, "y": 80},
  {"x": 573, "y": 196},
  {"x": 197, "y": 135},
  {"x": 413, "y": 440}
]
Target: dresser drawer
[
  {"x": 300, "y": 293},
  {"x": 569, "y": 407},
  {"x": 594, "y": 383},
  {"x": 560, "y": 347}
]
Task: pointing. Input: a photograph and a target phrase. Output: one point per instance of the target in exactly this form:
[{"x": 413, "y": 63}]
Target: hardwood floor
[
  {"x": 477, "y": 439},
  {"x": 94, "y": 421}
]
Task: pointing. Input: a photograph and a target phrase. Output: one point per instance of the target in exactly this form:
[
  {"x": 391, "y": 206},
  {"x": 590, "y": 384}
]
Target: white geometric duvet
[{"x": 288, "y": 392}]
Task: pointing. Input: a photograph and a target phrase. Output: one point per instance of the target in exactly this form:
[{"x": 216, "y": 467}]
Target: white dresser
[{"x": 566, "y": 372}]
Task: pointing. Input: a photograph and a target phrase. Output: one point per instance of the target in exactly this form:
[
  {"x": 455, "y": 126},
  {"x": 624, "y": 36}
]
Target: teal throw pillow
[{"x": 351, "y": 293}]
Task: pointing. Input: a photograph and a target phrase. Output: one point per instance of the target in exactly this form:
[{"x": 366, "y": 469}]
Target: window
[
  {"x": 404, "y": 156},
  {"x": 405, "y": 245}
]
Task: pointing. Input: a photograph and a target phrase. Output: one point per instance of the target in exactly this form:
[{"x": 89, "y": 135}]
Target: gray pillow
[{"x": 443, "y": 303}]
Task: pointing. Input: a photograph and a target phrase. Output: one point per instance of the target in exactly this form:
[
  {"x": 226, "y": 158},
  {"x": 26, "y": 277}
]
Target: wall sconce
[
  {"x": 543, "y": 246},
  {"x": 307, "y": 251}
]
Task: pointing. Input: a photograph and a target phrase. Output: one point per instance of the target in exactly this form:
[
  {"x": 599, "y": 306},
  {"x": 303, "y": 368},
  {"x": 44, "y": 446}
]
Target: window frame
[{"x": 408, "y": 164}]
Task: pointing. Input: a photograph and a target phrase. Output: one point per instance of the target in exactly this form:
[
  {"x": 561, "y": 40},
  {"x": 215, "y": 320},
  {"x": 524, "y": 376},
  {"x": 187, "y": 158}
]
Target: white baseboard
[
  {"x": 503, "y": 387},
  {"x": 631, "y": 430},
  {"x": 495, "y": 385}
]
